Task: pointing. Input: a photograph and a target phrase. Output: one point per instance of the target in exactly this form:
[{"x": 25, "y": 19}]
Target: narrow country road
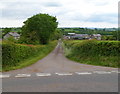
[
  {"x": 57, "y": 62},
  {"x": 55, "y": 73}
]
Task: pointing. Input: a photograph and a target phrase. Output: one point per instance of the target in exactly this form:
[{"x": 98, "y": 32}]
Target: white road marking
[
  {"x": 116, "y": 71},
  {"x": 23, "y": 75},
  {"x": 83, "y": 73},
  {"x": 62, "y": 74},
  {"x": 102, "y": 72},
  {"x": 43, "y": 74},
  {"x": 5, "y": 76}
]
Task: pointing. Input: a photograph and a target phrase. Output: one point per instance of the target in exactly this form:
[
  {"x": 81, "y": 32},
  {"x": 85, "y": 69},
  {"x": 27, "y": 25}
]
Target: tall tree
[{"x": 39, "y": 28}]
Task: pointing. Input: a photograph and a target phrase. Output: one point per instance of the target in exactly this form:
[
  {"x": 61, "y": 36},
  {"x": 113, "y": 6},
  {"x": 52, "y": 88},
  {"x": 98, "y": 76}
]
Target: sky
[{"x": 69, "y": 13}]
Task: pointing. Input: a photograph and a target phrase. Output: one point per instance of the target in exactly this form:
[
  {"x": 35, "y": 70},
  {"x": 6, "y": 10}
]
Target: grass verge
[{"x": 97, "y": 60}]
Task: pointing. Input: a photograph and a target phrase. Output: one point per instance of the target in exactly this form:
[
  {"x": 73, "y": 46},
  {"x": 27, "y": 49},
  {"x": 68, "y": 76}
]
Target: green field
[{"x": 101, "y": 53}]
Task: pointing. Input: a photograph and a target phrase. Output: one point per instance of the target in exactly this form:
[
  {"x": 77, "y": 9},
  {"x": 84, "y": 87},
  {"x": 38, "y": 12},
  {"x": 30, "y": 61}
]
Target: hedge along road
[{"x": 57, "y": 62}]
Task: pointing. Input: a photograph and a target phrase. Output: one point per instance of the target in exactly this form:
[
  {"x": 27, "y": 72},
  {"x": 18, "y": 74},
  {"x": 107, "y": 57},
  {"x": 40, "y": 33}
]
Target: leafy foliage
[
  {"x": 11, "y": 39},
  {"x": 107, "y": 52},
  {"x": 118, "y": 34},
  {"x": 101, "y": 31},
  {"x": 38, "y": 28},
  {"x": 14, "y": 54},
  {"x": 56, "y": 35},
  {"x": 5, "y": 31}
]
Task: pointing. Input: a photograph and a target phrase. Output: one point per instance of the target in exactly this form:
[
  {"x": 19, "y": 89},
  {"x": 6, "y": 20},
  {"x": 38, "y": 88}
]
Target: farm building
[
  {"x": 96, "y": 36},
  {"x": 82, "y": 36},
  {"x": 13, "y": 34}
]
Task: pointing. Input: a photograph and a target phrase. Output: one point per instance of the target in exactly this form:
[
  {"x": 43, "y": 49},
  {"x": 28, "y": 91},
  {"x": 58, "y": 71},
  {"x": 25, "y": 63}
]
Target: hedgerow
[
  {"x": 101, "y": 48},
  {"x": 92, "y": 51},
  {"x": 13, "y": 54}
]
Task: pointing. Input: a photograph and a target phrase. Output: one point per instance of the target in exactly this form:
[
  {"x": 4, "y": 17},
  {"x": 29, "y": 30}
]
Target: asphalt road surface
[{"x": 55, "y": 73}]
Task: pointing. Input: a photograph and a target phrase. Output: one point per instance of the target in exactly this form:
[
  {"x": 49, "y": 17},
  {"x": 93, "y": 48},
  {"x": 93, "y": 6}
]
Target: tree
[
  {"x": 39, "y": 28},
  {"x": 57, "y": 35},
  {"x": 118, "y": 34},
  {"x": 115, "y": 35},
  {"x": 5, "y": 31}
]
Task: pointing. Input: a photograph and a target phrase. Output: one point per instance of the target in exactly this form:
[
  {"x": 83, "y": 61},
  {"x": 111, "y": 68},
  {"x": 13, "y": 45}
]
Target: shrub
[
  {"x": 94, "y": 52},
  {"x": 13, "y": 54},
  {"x": 92, "y": 47}
]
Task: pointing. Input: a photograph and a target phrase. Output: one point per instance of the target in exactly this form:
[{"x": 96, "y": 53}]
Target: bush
[
  {"x": 92, "y": 47},
  {"x": 13, "y": 54},
  {"x": 92, "y": 52}
]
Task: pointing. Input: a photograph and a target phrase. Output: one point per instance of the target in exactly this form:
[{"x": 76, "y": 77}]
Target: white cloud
[
  {"x": 11, "y": 23},
  {"x": 87, "y": 24},
  {"x": 70, "y": 13}
]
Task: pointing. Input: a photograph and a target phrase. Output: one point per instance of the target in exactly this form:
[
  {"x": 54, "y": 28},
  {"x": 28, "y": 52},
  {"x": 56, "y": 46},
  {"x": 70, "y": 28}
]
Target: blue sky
[{"x": 70, "y": 13}]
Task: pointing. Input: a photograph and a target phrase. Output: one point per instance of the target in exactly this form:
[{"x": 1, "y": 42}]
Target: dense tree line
[{"x": 87, "y": 31}]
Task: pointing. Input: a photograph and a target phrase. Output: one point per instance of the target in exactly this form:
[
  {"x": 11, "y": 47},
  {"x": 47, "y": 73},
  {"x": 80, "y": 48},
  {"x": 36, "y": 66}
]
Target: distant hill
[{"x": 102, "y": 31}]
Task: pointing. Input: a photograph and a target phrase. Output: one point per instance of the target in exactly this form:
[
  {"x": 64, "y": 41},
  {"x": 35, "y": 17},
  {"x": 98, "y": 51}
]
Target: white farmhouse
[
  {"x": 96, "y": 36},
  {"x": 13, "y": 34}
]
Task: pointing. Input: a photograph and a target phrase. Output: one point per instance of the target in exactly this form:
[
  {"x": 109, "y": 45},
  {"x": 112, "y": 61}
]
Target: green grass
[
  {"x": 31, "y": 60},
  {"x": 97, "y": 60},
  {"x": 99, "y": 53}
]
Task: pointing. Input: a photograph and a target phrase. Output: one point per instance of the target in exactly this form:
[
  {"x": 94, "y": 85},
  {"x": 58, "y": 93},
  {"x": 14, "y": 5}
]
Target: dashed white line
[
  {"x": 83, "y": 73},
  {"x": 63, "y": 74},
  {"x": 23, "y": 75},
  {"x": 116, "y": 71},
  {"x": 59, "y": 74},
  {"x": 5, "y": 76},
  {"x": 43, "y": 74},
  {"x": 102, "y": 72}
]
